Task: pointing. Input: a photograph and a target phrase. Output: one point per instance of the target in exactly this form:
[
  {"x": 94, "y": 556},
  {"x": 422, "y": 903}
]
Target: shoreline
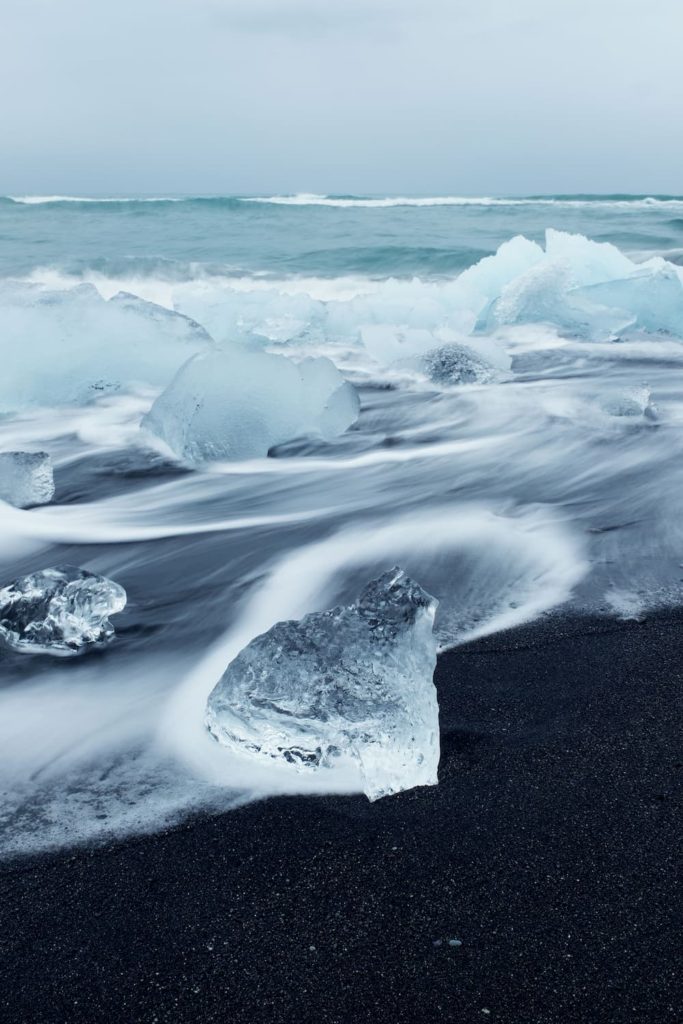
[{"x": 547, "y": 850}]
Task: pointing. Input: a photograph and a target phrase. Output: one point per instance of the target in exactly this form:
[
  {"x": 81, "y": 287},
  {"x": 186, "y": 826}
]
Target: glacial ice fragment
[
  {"x": 352, "y": 683},
  {"x": 69, "y": 347},
  {"x": 633, "y": 402},
  {"x": 61, "y": 611},
  {"x": 457, "y": 364},
  {"x": 589, "y": 262},
  {"x": 26, "y": 478},
  {"x": 237, "y": 403},
  {"x": 652, "y": 297}
]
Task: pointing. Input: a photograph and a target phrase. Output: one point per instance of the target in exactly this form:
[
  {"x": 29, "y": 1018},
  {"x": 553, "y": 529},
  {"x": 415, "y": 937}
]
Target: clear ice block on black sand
[
  {"x": 26, "y": 478},
  {"x": 353, "y": 682},
  {"x": 61, "y": 611}
]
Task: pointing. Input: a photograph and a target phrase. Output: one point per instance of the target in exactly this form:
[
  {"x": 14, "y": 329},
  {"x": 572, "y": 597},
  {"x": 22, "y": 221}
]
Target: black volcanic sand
[{"x": 548, "y": 850}]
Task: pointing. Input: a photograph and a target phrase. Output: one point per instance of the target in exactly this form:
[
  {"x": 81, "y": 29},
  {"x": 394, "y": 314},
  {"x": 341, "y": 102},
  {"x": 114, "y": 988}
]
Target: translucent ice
[
  {"x": 539, "y": 295},
  {"x": 652, "y": 297},
  {"x": 633, "y": 402},
  {"x": 389, "y": 344},
  {"x": 26, "y": 478},
  {"x": 61, "y": 611},
  {"x": 588, "y": 262},
  {"x": 457, "y": 364},
  {"x": 487, "y": 278},
  {"x": 68, "y": 347},
  {"x": 351, "y": 683},
  {"x": 237, "y": 403}
]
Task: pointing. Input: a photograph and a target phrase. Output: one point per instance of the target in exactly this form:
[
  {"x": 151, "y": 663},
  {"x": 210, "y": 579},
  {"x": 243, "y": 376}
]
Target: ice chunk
[
  {"x": 588, "y": 262},
  {"x": 61, "y": 611},
  {"x": 487, "y": 278},
  {"x": 236, "y": 403},
  {"x": 633, "y": 402},
  {"x": 26, "y": 478},
  {"x": 68, "y": 347},
  {"x": 177, "y": 325},
  {"x": 457, "y": 364},
  {"x": 387, "y": 343},
  {"x": 652, "y": 297},
  {"x": 547, "y": 294},
  {"x": 351, "y": 683},
  {"x": 232, "y": 311},
  {"x": 538, "y": 296}
]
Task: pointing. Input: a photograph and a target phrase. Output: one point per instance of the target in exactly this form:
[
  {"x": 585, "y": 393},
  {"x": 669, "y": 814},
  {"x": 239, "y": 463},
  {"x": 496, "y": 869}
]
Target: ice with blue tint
[
  {"x": 26, "y": 478},
  {"x": 457, "y": 364},
  {"x": 238, "y": 402},
  {"x": 592, "y": 290},
  {"x": 651, "y": 298},
  {"x": 71, "y": 346},
  {"x": 61, "y": 611},
  {"x": 635, "y": 402},
  {"x": 353, "y": 683}
]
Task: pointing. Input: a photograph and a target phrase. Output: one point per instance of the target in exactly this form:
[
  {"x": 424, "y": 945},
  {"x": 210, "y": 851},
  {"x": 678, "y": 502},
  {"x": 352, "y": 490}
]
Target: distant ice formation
[
  {"x": 353, "y": 683},
  {"x": 237, "y": 403},
  {"x": 60, "y": 611},
  {"x": 26, "y": 478}
]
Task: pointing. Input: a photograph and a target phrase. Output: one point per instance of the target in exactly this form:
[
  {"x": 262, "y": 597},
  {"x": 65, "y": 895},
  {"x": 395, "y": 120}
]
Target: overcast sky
[{"x": 348, "y": 96}]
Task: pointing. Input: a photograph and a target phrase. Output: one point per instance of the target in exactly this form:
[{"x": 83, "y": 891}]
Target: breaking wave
[{"x": 366, "y": 202}]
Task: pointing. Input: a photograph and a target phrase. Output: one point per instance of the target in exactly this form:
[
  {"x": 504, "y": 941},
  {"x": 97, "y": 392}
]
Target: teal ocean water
[{"x": 177, "y": 237}]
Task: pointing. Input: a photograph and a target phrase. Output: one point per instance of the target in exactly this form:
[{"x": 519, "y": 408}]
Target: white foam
[
  {"x": 387, "y": 202},
  {"x": 40, "y": 200}
]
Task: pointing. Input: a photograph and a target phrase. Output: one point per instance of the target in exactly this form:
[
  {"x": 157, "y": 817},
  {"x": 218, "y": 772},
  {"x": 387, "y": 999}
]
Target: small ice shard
[
  {"x": 632, "y": 402},
  {"x": 353, "y": 683},
  {"x": 26, "y": 478},
  {"x": 237, "y": 403},
  {"x": 61, "y": 611},
  {"x": 457, "y": 364}
]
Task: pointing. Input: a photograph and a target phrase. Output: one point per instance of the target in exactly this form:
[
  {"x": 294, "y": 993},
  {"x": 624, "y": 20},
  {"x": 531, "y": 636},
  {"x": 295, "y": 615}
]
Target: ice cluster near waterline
[
  {"x": 237, "y": 403},
  {"x": 60, "y": 611},
  {"x": 353, "y": 683},
  {"x": 70, "y": 346},
  {"x": 588, "y": 290},
  {"x": 26, "y": 478}
]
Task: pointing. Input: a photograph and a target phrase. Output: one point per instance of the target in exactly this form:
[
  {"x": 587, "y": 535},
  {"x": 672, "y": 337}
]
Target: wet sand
[{"x": 548, "y": 852}]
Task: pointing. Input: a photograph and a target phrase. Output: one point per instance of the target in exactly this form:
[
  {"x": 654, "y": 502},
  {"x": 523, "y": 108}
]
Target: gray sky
[{"x": 361, "y": 96}]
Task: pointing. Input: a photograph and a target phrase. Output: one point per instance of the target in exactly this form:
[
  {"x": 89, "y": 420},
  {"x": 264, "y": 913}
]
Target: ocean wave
[
  {"x": 363, "y": 202},
  {"x": 43, "y": 200},
  {"x": 369, "y": 202}
]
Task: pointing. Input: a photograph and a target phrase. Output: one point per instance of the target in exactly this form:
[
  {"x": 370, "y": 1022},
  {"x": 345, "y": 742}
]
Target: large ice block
[
  {"x": 26, "y": 478},
  {"x": 237, "y": 403},
  {"x": 69, "y": 347},
  {"x": 353, "y": 683},
  {"x": 61, "y": 611}
]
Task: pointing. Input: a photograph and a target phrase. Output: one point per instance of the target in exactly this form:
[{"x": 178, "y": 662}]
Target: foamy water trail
[{"x": 551, "y": 482}]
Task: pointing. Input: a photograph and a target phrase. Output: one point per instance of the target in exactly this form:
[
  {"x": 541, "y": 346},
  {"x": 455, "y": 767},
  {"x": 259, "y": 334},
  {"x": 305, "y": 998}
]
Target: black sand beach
[{"x": 548, "y": 850}]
